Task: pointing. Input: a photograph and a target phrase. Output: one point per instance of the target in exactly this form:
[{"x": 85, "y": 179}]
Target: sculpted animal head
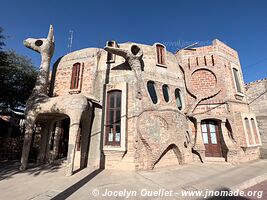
[{"x": 44, "y": 46}]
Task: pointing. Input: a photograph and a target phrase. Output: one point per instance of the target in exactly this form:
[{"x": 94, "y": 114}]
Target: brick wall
[{"x": 257, "y": 99}]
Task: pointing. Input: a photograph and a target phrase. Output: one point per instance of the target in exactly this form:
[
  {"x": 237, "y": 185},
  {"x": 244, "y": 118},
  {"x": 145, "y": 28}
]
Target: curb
[{"x": 249, "y": 183}]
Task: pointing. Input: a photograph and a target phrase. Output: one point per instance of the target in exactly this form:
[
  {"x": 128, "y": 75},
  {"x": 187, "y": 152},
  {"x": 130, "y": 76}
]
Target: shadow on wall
[{"x": 53, "y": 77}]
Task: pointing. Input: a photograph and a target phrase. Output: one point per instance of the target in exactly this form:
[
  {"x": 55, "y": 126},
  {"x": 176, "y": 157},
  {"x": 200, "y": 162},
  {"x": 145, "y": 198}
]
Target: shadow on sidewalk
[
  {"x": 10, "y": 168},
  {"x": 70, "y": 190}
]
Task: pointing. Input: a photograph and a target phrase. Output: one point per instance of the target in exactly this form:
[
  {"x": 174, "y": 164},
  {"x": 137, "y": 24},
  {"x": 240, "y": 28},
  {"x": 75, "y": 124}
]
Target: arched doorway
[{"x": 210, "y": 130}]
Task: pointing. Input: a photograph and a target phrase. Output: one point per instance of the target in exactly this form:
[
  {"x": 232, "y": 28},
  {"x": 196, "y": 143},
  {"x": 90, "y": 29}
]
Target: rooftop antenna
[{"x": 70, "y": 40}]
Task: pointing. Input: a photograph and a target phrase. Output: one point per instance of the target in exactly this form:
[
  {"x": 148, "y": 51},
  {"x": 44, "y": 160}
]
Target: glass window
[
  {"x": 165, "y": 90},
  {"x": 213, "y": 138},
  {"x": 113, "y": 120},
  {"x": 178, "y": 99},
  {"x": 75, "y": 76},
  {"x": 152, "y": 91},
  {"x": 237, "y": 80}
]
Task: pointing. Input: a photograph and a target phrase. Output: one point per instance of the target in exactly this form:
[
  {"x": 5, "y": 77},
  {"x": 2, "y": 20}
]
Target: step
[{"x": 215, "y": 159}]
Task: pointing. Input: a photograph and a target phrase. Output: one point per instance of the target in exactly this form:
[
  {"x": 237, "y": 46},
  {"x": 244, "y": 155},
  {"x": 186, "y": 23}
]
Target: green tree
[
  {"x": 2, "y": 38},
  {"x": 17, "y": 76}
]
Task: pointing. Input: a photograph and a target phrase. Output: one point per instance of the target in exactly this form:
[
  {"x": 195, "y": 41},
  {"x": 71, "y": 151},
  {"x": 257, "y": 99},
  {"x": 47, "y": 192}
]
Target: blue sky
[{"x": 242, "y": 24}]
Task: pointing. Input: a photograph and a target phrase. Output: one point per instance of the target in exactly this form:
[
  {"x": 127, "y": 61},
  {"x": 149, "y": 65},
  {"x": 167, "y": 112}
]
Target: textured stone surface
[
  {"x": 39, "y": 104},
  {"x": 257, "y": 99},
  {"x": 159, "y": 134}
]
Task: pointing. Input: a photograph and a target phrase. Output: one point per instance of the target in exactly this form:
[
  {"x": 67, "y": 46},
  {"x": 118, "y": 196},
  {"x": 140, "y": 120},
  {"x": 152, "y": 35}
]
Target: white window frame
[
  {"x": 124, "y": 90},
  {"x": 249, "y": 116},
  {"x": 235, "y": 67}
]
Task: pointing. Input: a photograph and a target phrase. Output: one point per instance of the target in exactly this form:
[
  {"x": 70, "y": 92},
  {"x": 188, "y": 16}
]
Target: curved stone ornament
[
  {"x": 207, "y": 91},
  {"x": 158, "y": 134}
]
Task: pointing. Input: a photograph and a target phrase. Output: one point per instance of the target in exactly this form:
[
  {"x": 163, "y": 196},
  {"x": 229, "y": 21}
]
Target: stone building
[
  {"x": 146, "y": 107},
  {"x": 257, "y": 100}
]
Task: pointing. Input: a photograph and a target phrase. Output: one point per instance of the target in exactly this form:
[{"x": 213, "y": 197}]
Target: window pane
[
  {"x": 213, "y": 138},
  {"x": 204, "y": 128},
  {"x": 112, "y": 101},
  {"x": 205, "y": 138},
  {"x": 118, "y": 116},
  {"x": 110, "y": 136},
  {"x": 118, "y": 133},
  {"x": 178, "y": 99},
  {"x": 118, "y": 100},
  {"x": 212, "y": 127},
  {"x": 165, "y": 90},
  {"x": 152, "y": 91},
  {"x": 111, "y": 116}
]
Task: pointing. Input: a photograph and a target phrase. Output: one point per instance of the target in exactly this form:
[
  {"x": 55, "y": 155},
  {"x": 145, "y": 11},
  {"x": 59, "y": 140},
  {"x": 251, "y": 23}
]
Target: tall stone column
[
  {"x": 85, "y": 137},
  {"x": 27, "y": 143},
  {"x": 199, "y": 145},
  {"x": 73, "y": 133},
  {"x": 44, "y": 143},
  {"x": 56, "y": 139}
]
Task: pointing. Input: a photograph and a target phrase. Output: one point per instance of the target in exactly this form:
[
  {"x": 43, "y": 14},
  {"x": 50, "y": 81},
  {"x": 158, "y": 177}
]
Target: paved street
[
  {"x": 259, "y": 187},
  {"x": 49, "y": 182}
]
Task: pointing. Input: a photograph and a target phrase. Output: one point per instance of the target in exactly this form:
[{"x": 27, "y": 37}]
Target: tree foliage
[
  {"x": 17, "y": 77},
  {"x": 2, "y": 38}
]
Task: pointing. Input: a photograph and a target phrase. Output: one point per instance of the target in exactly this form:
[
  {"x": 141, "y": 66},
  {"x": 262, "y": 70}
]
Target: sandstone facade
[
  {"x": 257, "y": 100},
  {"x": 152, "y": 108}
]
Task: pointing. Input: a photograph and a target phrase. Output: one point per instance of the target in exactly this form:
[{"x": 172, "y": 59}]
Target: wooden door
[{"x": 211, "y": 138}]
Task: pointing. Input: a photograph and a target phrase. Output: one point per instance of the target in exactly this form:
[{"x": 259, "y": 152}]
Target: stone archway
[{"x": 166, "y": 158}]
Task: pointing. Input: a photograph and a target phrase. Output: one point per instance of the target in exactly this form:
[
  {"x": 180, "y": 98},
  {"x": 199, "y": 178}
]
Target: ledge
[
  {"x": 239, "y": 96},
  {"x": 160, "y": 65},
  {"x": 74, "y": 91}
]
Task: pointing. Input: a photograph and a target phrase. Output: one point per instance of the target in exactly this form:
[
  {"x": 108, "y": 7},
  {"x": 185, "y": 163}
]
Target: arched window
[
  {"x": 152, "y": 91},
  {"x": 178, "y": 99},
  {"x": 160, "y": 54},
  {"x": 75, "y": 76},
  {"x": 255, "y": 132},
  {"x": 237, "y": 80},
  {"x": 113, "y": 118},
  {"x": 248, "y": 130},
  {"x": 165, "y": 91}
]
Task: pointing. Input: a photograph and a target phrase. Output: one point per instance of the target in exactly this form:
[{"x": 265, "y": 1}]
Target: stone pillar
[
  {"x": 27, "y": 143},
  {"x": 85, "y": 137},
  {"x": 56, "y": 139},
  {"x": 199, "y": 145},
  {"x": 44, "y": 143},
  {"x": 73, "y": 133}
]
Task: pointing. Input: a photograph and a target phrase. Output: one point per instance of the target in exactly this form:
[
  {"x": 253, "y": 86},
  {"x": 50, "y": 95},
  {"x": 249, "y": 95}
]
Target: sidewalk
[{"x": 49, "y": 181}]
